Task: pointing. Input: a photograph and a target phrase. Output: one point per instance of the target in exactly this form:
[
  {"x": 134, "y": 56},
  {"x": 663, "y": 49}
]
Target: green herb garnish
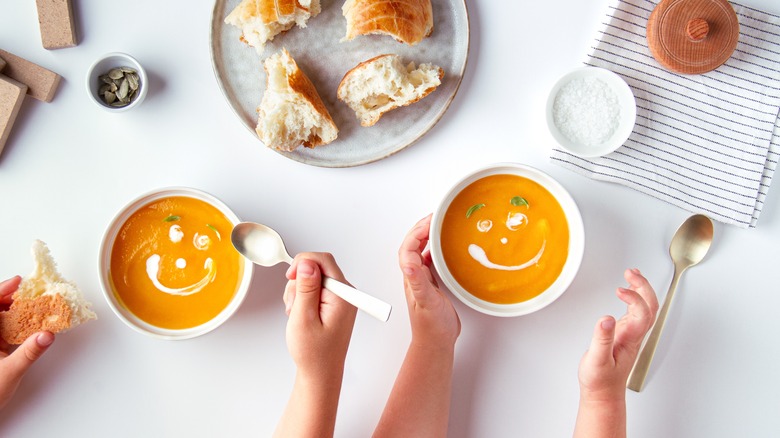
[
  {"x": 473, "y": 208},
  {"x": 214, "y": 229},
  {"x": 518, "y": 201},
  {"x": 171, "y": 218}
]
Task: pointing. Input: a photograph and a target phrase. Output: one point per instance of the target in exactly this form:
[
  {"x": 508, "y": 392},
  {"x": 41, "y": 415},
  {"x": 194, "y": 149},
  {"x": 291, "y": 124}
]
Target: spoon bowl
[
  {"x": 692, "y": 241},
  {"x": 689, "y": 245},
  {"x": 260, "y": 243},
  {"x": 263, "y": 246}
]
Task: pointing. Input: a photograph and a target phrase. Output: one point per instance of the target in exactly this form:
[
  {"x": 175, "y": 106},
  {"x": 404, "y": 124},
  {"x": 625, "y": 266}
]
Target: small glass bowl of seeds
[{"x": 117, "y": 82}]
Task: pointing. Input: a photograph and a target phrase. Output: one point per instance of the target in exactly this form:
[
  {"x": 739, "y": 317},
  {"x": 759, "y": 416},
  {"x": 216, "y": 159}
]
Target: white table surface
[{"x": 69, "y": 167}]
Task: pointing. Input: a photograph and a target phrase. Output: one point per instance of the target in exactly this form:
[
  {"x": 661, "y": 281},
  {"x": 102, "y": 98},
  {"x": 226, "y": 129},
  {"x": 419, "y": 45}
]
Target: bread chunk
[
  {"x": 26, "y": 317},
  {"x": 292, "y": 112},
  {"x": 261, "y": 20},
  {"x": 383, "y": 83},
  {"x": 44, "y": 301},
  {"x": 408, "y": 21}
]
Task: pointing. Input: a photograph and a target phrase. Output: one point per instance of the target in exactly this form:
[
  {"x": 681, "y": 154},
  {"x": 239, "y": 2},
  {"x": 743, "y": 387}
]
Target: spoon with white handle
[
  {"x": 265, "y": 247},
  {"x": 689, "y": 246}
]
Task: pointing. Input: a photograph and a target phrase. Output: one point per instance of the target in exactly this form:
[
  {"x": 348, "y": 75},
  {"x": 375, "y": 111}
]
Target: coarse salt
[{"x": 586, "y": 111}]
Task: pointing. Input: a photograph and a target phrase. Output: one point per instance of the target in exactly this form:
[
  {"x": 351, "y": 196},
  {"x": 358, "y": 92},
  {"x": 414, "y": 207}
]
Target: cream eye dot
[
  {"x": 175, "y": 234},
  {"x": 484, "y": 225},
  {"x": 201, "y": 241},
  {"x": 515, "y": 220}
]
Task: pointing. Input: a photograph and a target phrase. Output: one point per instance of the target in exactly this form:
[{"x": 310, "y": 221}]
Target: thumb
[
  {"x": 23, "y": 357},
  {"x": 419, "y": 285},
  {"x": 308, "y": 285},
  {"x": 601, "y": 344}
]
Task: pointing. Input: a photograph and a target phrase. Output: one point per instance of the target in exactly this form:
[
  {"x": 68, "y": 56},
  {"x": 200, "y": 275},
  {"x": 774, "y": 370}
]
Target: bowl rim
[
  {"x": 576, "y": 241},
  {"x": 627, "y": 115},
  {"x": 104, "y": 263},
  {"x": 93, "y": 74}
]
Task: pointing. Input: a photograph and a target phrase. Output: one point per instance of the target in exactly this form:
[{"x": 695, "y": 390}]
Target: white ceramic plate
[
  {"x": 570, "y": 268},
  {"x": 320, "y": 54}
]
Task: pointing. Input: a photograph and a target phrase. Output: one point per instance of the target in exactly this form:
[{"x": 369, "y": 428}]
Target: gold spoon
[
  {"x": 264, "y": 246},
  {"x": 689, "y": 246}
]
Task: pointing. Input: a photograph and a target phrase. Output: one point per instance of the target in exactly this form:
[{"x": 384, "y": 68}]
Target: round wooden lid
[{"x": 692, "y": 36}]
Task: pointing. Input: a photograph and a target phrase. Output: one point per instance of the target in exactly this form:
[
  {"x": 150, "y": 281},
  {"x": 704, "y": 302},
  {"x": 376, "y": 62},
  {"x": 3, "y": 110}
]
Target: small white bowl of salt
[{"x": 591, "y": 111}]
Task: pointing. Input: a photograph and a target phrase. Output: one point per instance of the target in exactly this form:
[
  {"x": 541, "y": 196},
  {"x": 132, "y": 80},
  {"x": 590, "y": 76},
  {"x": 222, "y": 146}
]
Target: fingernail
[
  {"x": 305, "y": 269},
  {"x": 45, "y": 339},
  {"x": 608, "y": 324},
  {"x": 408, "y": 271},
  {"x": 635, "y": 271}
]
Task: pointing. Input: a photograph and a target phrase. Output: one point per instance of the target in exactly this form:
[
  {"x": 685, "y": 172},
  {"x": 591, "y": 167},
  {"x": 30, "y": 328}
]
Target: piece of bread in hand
[
  {"x": 383, "y": 83},
  {"x": 261, "y": 20},
  {"x": 291, "y": 112},
  {"x": 44, "y": 301},
  {"x": 408, "y": 21}
]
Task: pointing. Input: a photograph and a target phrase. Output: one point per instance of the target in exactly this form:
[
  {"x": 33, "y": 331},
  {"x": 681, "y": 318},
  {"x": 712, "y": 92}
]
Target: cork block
[
  {"x": 41, "y": 83},
  {"x": 11, "y": 97},
  {"x": 58, "y": 29}
]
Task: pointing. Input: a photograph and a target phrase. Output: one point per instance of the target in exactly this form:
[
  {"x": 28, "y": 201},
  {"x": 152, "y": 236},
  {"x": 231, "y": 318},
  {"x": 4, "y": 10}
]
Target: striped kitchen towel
[{"x": 708, "y": 143}]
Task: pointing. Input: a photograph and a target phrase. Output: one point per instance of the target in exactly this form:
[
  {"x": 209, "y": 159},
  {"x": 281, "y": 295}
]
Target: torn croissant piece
[
  {"x": 43, "y": 301},
  {"x": 291, "y": 112},
  {"x": 408, "y": 21},
  {"x": 384, "y": 83},
  {"x": 261, "y": 20}
]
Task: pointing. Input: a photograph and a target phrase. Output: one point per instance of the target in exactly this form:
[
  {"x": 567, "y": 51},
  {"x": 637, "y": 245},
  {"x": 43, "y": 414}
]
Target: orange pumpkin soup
[
  {"x": 172, "y": 263},
  {"x": 505, "y": 239}
]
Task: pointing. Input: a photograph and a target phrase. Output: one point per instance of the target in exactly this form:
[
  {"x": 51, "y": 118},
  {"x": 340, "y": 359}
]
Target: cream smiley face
[
  {"x": 505, "y": 248},
  {"x": 201, "y": 243},
  {"x": 514, "y": 221}
]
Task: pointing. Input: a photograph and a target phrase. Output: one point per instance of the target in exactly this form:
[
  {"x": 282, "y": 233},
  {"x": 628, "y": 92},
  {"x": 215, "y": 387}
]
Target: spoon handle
[
  {"x": 363, "y": 301},
  {"x": 636, "y": 379}
]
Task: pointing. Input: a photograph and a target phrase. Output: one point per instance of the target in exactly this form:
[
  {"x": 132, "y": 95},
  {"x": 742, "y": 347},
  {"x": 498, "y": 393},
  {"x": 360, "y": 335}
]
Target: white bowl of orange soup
[
  {"x": 167, "y": 266},
  {"x": 507, "y": 239}
]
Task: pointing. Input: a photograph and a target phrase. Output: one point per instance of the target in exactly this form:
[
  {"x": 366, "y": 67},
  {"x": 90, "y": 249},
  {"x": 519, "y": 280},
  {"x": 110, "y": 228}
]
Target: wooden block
[
  {"x": 41, "y": 83},
  {"x": 58, "y": 29},
  {"x": 2, "y": 64},
  {"x": 11, "y": 97}
]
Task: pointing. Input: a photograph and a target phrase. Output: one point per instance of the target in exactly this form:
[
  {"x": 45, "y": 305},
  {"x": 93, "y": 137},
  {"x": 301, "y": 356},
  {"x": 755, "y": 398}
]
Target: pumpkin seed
[
  {"x": 132, "y": 79},
  {"x": 123, "y": 89},
  {"x": 120, "y": 86}
]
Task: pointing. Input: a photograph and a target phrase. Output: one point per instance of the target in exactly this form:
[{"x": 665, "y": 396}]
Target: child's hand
[
  {"x": 320, "y": 324},
  {"x": 318, "y": 334},
  {"x": 615, "y": 345},
  {"x": 434, "y": 321},
  {"x": 419, "y": 404},
  {"x": 15, "y": 363}
]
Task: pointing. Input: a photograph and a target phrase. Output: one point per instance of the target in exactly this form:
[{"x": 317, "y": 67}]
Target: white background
[{"x": 69, "y": 167}]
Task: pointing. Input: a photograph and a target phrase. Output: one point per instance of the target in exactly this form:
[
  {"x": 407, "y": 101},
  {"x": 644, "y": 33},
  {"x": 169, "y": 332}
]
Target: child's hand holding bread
[
  {"x": 31, "y": 311},
  {"x": 14, "y": 363},
  {"x": 44, "y": 301}
]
